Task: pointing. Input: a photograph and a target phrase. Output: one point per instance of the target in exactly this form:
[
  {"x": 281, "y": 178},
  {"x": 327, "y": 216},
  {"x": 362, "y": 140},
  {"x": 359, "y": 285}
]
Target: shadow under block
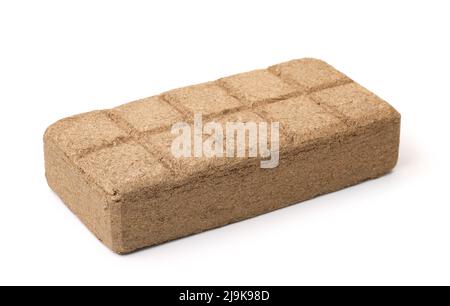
[{"x": 114, "y": 169}]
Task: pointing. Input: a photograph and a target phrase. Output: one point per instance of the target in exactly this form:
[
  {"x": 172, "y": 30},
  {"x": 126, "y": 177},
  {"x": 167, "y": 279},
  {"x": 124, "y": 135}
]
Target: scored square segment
[
  {"x": 357, "y": 105},
  {"x": 80, "y": 134},
  {"x": 303, "y": 119},
  {"x": 123, "y": 168},
  {"x": 147, "y": 115},
  {"x": 207, "y": 99},
  {"x": 310, "y": 74},
  {"x": 257, "y": 87}
]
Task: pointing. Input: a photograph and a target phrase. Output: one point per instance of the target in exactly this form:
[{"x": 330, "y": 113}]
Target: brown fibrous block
[{"x": 115, "y": 171}]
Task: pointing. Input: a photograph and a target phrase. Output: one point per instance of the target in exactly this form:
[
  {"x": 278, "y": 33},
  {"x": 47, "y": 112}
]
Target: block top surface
[{"x": 129, "y": 147}]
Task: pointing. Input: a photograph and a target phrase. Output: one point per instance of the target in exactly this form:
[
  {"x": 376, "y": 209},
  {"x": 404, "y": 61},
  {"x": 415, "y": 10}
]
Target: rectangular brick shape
[{"x": 116, "y": 171}]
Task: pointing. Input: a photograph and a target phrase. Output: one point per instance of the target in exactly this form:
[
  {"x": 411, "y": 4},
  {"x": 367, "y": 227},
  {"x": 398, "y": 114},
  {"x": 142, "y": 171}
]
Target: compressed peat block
[{"x": 114, "y": 168}]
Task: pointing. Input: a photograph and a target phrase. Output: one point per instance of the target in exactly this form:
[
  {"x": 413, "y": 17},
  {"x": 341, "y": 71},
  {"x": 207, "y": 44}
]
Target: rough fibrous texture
[{"x": 115, "y": 171}]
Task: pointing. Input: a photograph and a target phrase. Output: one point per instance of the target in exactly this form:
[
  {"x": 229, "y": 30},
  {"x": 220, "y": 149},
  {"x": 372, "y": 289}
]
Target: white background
[{"x": 60, "y": 58}]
